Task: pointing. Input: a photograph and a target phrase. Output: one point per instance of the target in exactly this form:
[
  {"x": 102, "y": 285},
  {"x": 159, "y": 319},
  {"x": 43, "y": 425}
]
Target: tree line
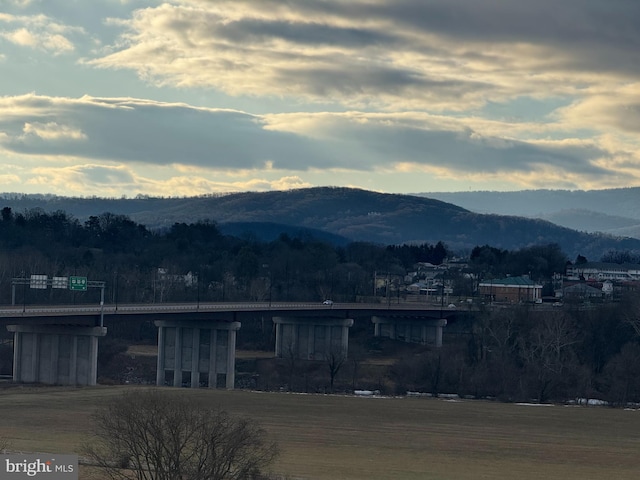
[
  {"x": 527, "y": 354},
  {"x": 141, "y": 265}
]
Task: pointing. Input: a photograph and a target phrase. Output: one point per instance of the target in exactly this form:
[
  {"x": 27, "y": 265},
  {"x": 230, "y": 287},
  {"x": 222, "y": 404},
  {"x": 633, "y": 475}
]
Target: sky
[{"x": 120, "y": 98}]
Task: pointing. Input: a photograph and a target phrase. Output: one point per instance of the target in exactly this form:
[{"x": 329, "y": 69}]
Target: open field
[{"x": 334, "y": 437}]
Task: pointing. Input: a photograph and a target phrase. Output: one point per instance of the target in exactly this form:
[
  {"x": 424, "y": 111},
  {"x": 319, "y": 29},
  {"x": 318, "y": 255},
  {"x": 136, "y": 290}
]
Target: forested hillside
[
  {"x": 353, "y": 215},
  {"x": 196, "y": 260},
  {"x": 188, "y": 261}
]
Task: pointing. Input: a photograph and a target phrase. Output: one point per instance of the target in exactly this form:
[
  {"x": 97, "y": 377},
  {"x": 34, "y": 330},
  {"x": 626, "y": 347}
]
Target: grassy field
[{"x": 334, "y": 437}]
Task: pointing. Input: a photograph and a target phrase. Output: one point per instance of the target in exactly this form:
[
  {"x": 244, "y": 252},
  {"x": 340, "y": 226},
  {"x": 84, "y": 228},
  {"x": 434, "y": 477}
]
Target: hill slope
[{"x": 357, "y": 215}]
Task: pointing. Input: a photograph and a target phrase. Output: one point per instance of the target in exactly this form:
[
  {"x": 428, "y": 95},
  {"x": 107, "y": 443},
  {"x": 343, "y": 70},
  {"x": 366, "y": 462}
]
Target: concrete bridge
[{"x": 196, "y": 342}]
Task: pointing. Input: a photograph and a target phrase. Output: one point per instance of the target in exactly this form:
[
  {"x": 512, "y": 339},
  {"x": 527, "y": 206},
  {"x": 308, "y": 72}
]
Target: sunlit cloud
[
  {"x": 147, "y": 132},
  {"x": 38, "y": 32},
  {"x": 52, "y": 131},
  {"x": 86, "y": 179},
  {"x": 439, "y": 55},
  {"x": 617, "y": 110},
  {"x": 9, "y": 180},
  {"x": 186, "y": 97}
]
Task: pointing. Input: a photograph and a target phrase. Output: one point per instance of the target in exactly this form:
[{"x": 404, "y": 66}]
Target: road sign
[
  {"x": 60, "y": 282},
  {"x": 38, "y": 281},
  {"x": 78, "y": 283}
]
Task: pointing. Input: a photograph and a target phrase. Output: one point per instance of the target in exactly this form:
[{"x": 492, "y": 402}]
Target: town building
[
  {"x": 511, "y": 290},
  {"x": 600, "y": 271}
]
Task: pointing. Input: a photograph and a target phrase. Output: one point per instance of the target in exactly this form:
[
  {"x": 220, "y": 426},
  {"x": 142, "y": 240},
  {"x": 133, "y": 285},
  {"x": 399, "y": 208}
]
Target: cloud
[
  {"x": 52, "y": 131},
  {"x": 619, "y": 110},
  {"x": 9, "y": 180},
  {"x": 20, "y": 3},
  {"x": 189, "y": 186},
  {"x": 394, "y": 54},
  {"x": 385, "y": 139},
  {"x": 197, "y": 142},
  {"x": 21, "y": 37},
  {"x": 112, "y": 181},
  {"x": 85, "y": 175},
  {"x": 147, "y": 132},
  {"x": 38, "y": 32}
]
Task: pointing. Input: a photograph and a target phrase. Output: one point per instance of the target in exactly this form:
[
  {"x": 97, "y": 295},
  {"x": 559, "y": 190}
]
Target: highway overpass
[{"x": 58, "y": 344}]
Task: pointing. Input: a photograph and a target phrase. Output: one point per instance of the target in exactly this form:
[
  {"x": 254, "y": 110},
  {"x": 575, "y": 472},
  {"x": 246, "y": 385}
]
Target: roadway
[{"x": 229, "y": 311}]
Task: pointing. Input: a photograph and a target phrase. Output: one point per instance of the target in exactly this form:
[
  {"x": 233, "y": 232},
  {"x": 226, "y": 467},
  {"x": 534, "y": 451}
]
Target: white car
[{"x": 328, "y": 302}]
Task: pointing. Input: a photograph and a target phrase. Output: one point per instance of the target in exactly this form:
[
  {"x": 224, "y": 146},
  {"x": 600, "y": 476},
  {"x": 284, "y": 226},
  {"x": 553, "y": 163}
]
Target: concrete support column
[
  {"x": 73, "y": 361},
  {"x": 195, "y": 359},
  {"x": 160, "y": 365},
  {"x": 177, "y": 368},
  {"x": 231, "y": 359},
  {"x": 93, "y": 348},
  {"x": 278, "y": 339},
  {"x": 294, "y": 339},
  {"x": 25, "y": 356},
  {"x": 308, "y": 347},
  {"x": 213, "y": 354},
  {"x": 430, "y": 329},
  {"x": 439, "y": 327},
  {"x": 221, "y": 354},
  {"x": 55, "y": 354},
  {"x": 345, "y": 338},
  {"x": 392, "y": 330},
  {"x": 52, "y": 371},
  {"x": 18, "y": 365}
]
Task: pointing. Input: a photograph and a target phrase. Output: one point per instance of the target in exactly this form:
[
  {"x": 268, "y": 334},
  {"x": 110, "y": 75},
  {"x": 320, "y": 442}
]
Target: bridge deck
[{"x": 90, "y": 314}]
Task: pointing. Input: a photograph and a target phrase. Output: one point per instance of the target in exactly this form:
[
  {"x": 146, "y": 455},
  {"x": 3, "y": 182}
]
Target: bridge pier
[
  {"x": 311, "y": 338},
  {"x": 424, "y": 331},
  {"x": 55, "y": 355},
  {"x": 196, "y": 353}
]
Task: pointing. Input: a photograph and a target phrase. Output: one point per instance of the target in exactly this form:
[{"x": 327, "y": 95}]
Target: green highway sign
[{"x": 78, "y": 283}]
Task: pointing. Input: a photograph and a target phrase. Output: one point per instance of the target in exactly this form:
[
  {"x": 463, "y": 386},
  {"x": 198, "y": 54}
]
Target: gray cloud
[
  {"x": 402, "y": 54},
  {"x": 100, "y": 174},
  {"x": 466, "y": 151},
  {"x": 154, "y": 133},
  {"x": 148, "y": 132}
]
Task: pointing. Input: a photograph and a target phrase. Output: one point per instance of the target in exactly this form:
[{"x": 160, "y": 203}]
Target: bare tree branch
[{"x": 150, "y": 435}]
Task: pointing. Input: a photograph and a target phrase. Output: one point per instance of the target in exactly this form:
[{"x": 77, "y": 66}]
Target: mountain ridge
[{"x": 353, "y": 214}]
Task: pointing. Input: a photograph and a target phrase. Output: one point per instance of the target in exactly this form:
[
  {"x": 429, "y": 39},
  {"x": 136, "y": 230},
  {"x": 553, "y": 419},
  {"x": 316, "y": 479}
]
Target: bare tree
[
  {"x": 357, "y": 355},
  {"x": 335, "y": 358},
  {"x": 291, "y": 356},
  {"x": 631, "y": 313},
  {"x": 499, "y": 351},
  {"x": 546, "y": 354},
  {"x": 154, "y": 435}
]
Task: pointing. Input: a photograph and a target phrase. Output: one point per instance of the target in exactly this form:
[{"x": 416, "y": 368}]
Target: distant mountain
[
  {"x": 613, "y": 211},
  {"x": 619, "y": 201},
  {"x": 352, "y": 214},
  {"x": 577, "y": 218}
]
